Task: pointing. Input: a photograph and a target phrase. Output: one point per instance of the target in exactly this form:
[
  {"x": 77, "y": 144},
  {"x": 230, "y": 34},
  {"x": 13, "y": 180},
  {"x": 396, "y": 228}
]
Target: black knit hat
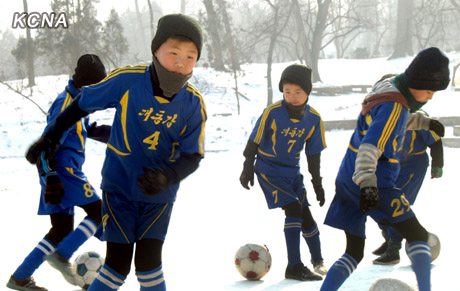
[
  {"x": 89, "y": 70},
  {"x": 178, "y": 25},
  {"x": 297, "y": 74},
  {"x": 429, "y": 70}
]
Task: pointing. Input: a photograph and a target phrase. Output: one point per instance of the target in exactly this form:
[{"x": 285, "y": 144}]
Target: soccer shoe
[
  {"x": 301, "y": 273},
  {"x": 381, "y": 249},
  {"x": 24, "y": 284},
  {"x": 64, "y": 266},
  {"x": 320, "y": 268},
  {"x": 388, "y": 258}
]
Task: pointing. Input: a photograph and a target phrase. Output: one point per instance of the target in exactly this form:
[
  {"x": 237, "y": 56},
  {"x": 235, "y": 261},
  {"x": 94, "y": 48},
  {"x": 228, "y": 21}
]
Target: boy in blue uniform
[
  {"x": 366, "y": 182},
  {"x": 277, "y": 140},
  {"x": 414, "y": 164},
  {"x": 157, "y": 139},
  {"x": 64, "y": 186}
]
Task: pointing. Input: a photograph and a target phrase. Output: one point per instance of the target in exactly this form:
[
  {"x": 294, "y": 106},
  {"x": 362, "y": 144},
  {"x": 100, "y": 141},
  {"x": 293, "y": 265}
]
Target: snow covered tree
[
  {"x": 114, "y": 43},
  {"x": 81, "y": 37}
]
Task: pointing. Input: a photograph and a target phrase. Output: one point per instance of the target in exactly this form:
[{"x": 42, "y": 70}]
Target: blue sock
[
  {"x": 292, "y": 228},
  {"x": 338, "y": 273},
  {"x": 420, "y": 255},
  {"x": 34, "y": 259},
  {"x": 152, "y": 280},
  {"x": 107, "y": 279},
  {"x": 312, "y": 238},
  {"x": 76, "y": 238}
]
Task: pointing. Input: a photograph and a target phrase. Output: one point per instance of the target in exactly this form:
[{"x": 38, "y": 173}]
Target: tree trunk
[
  {"x": 403, "y": 42},
  {"x": 271, "y": 49},
  {"x": 229, "y": 36},
  {"x": 301, "y": 31},
  {"x": 182, "y": 6},
  {"x": 139, "y": 23},
  {"x": 152, "y": 24},
  {"x": 217, "y": 61},
  {"x": 321, "y": 21},
  {"x": 30, "y": 52}
]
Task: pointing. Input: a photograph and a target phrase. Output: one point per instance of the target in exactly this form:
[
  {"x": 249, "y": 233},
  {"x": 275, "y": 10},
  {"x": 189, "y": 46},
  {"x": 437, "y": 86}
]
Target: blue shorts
[
  {"x": 77, "y": 192},
  {"x": 344, "y": 211},
  {"x": 125, "y": 221},
  {"x": 281, "y": 191},
  {"x": 410, "y": 182}
]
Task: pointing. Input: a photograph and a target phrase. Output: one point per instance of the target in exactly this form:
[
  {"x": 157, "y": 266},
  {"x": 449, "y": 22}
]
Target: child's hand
[
  {"x": 436, "y": 172},
  {"x": 369, "y": 199},
  {"x": 319, "y": 191},
  {"x": 43, "y": 144},
  {"x": 54, "y": 191},
  {"x": 153, "y": 182},
  {"x": 247, "y": 175}
]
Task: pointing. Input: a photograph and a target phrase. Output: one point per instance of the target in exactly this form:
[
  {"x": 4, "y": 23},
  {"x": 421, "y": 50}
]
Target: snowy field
[{"x": 214, "y": 215}]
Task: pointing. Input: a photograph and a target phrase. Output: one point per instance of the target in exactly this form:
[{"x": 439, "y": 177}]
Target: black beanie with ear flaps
[{"x": 90, "y": 70}]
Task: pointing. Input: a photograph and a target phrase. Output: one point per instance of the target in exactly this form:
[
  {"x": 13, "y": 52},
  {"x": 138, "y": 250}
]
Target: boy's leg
[
  {"x": 149, "y": 269},
  {"x": 83, "y": 232},
  {"x": 86, "y": 229},
  {"x": 22, "y": 277},
  {"x": 391, "y": 254},
  {"x": 310, "y": 232},
  {"x": 292, "y": 228},
  {"x": 344, "y": 267},
  {"x": 61, "y": 225},
  {"x": 116, "y": 267},
  {"x": 418, "y": 251}
]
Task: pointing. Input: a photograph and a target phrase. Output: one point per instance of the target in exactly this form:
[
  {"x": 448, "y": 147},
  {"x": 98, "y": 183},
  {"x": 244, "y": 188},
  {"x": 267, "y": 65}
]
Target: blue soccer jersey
[
  {"x": 384, "y": 128},
  {"x": 147, "y": 130},
  {"x": 281, "y": 139},
  {"x": 413, "y": 154},
  {"x": 72, "y": 143}
]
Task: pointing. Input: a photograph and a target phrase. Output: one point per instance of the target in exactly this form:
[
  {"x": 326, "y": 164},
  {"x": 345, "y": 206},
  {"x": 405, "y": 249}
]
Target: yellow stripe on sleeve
[
  {"x": 197, "y": 93},
  {"x": 261, "y": 129},
  {"x": 321, "y": 126},
  {"x": 389, "y": 126},
  {"x": 67, "y": 101},
  {"x": 124, "y": 115}
]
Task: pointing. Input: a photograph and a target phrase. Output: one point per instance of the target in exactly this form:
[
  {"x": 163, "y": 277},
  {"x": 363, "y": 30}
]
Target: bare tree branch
[{"x": 26, "y": 97}]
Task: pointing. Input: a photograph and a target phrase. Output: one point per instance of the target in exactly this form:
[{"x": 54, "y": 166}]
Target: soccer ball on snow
[
  {"x": 435, "y": 245},
  {"x": 253, "y": 261},
  {"x": 86, "y": 266}
]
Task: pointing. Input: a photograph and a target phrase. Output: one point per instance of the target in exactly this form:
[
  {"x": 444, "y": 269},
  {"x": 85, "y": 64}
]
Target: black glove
[
  {"x": 437, "y": 127},
  {"x": 319, "y": 191},
  {"x": 43, "y": 144},
  {"x": 369, "y": 199},
  {"x": 153, "y": 182},
  {"x": 54, "y": 190},
  {"x": 247, "y": 176}
]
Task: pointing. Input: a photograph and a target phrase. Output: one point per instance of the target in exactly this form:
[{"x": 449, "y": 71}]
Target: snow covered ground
[{"x": 214, "y": 215}]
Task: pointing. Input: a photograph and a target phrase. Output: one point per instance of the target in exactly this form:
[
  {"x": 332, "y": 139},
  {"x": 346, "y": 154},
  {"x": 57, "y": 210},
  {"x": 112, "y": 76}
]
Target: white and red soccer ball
[{"x": 253, "y": 261}]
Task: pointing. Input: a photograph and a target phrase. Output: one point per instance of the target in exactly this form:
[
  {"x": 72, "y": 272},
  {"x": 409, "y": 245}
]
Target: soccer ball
[
  {"x": 435, "y": 245},
  {"x": 86, "y": 266},
  {"x": 253, "y": 261},
  {"x": 391, "y": 284}
]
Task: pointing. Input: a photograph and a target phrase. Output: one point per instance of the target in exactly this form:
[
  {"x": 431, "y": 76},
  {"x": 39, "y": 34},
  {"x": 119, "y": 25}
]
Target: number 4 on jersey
[{"x": 152, "y": 140}]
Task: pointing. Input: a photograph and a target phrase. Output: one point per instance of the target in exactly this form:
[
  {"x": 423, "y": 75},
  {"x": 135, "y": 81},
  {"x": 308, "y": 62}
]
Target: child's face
[
  {"x": 422, "y": 96},
  {"x": 177, "y": 56},
  {"x": 294, "y": 94}
]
